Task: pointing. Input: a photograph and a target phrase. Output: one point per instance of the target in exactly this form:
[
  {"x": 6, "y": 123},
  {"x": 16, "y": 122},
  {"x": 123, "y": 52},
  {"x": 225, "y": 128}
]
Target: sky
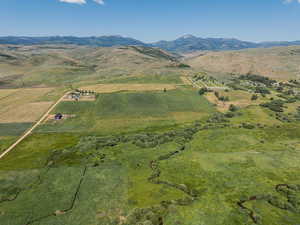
[{"x": 153, "y": 20}]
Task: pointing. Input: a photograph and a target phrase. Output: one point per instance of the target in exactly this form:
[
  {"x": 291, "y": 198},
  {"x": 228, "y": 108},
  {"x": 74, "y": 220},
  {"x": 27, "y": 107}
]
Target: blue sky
[{"x": 152, "y": 20}]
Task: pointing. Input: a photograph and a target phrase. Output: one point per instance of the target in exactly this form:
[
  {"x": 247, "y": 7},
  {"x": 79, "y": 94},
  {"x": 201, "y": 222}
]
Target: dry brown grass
[
  {"x": 185, "y": 80},
  {"x": 278, "y": 63},
  {"x": 238, "y": 98},
  {"x": 4, "y": 93},
  {"x": 23, "y": 105},
  {"x": 109, "y": 88}
]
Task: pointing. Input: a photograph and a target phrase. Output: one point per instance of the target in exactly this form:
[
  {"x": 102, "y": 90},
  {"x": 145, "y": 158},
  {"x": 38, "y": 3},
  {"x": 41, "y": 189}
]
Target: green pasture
[
  {"x": 221, "y": 165},
  {"x": 13, "y": 129},
  {"x": 167, "y": 78},
  {"x": 131, "y": 111}
]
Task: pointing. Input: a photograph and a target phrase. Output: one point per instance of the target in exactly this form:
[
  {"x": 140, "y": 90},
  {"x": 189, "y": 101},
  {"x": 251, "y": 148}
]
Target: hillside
[
  {"x": 103, "y": 41},
  {"x": 184, "y": 44},
  {"x": 279, "y": 62},
  {"x": 190, "y": 43},
  {"x": 52, "y": 65}
]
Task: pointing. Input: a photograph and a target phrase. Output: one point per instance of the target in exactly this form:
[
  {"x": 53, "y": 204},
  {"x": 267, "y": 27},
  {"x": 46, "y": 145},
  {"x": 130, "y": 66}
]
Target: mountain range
[{"x": 184, "y": 44}]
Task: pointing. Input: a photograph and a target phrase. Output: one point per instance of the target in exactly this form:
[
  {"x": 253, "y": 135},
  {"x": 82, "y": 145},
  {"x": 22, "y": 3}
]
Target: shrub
[
  {"x": 254, "y": 97},
  {"x": 202, "y": 91},
  {"x": 182, "y": 65},
  {"x": 275, "y": 105},
  {"x": 233, "y": 108},
  {"x": 262, "y": 90},
  {"x": 217, "y": 94},
  {"x": 229, "y": 115},
  {"x": 248, "y": 126},
  {"x": 258, "y": 78}
]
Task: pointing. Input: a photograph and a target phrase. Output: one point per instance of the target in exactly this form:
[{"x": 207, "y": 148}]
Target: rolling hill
[
  {"x": 52, "y": 65},
  {"x": 184, "y": 44},
  {"x": 279, "y": 62}
]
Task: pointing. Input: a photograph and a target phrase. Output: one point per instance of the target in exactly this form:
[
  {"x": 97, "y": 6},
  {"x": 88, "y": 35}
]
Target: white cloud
[
  {"x": 101, "y": 2},
  {"x": 74, "y": 1},
  {"x": 290, "y": 1}
]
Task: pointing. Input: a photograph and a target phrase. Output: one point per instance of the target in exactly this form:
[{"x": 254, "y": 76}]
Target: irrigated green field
[{"x": 131, "y": 111}]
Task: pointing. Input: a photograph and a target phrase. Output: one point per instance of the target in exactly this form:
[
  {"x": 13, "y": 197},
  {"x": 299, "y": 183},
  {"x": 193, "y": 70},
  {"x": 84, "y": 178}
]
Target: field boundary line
[{"x": 27, "y": 133}]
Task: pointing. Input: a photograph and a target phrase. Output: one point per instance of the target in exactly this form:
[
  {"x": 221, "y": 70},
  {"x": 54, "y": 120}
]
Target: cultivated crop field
[
  {"x": 131, "y": 111},
  {"x": 109, "y": 88},
  {"x": 23, "y": 105}
]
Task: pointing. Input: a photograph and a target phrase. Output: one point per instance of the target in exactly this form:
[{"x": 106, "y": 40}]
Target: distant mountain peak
[{"x": 187, "y": 36}]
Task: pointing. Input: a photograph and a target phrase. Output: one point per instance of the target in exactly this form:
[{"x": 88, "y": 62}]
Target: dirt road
[{"x": 32, "y": 128}]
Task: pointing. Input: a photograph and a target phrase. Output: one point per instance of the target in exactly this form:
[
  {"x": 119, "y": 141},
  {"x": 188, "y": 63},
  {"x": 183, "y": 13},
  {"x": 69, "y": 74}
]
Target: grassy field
[
  {"x": 238, "y": 98},
  {"x": 109, "y": 88},
  {"x": 168, "y": 78},
  {"x": 23, "y": 105},
  {"x": 219, "y": 167},
  {"x": 6, "y": 141},
  {"x": 131, "y": 111}
]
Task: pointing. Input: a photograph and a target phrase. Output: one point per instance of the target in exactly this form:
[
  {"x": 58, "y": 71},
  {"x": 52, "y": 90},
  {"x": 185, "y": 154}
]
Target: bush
[
  {"x": 254, "y": 97},
  {"x": 258, "y": 78},
  {"x": 182, "y": 65},
  {"x": 233, "y": 108},
  {"x": 262, "y": 90},
  {"x": 217, "y": 94},
  {"x": 275, "y": 105},
  {"x": 202, "y": 91},
  {"x": 248, "y": 126},
  {"x": 229, "y": 115}
]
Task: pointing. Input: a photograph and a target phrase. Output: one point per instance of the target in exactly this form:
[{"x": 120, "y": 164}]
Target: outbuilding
[{"x": 58, "y": 116}]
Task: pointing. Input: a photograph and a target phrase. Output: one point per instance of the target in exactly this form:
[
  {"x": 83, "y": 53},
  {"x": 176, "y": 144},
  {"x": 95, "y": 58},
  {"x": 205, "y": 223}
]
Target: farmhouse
[{"x": 58, "y": 116}]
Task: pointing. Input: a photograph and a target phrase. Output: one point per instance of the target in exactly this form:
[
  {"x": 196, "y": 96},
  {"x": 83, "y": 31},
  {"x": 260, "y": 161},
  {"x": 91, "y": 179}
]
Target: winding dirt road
[{"x": 27, "y": 133}]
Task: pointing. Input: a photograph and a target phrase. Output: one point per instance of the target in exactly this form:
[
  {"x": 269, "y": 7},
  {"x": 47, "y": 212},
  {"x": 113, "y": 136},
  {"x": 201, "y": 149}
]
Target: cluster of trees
[
  {"x": 274, "y": 105},
  {"x": 282, "y": 117},
  {"x": 248, "y": 125},
  {"x": 202, "y": 91},
  {"x": 152, "y": 140},
  {"x": 83, "y": 92},
  {"x": 262, "y": 90},
  {"x": 218, "y": 118},
  {"x": 254, "y": 97},
  {"x": 257, "y": 78},
  {"x": 182, "y": 65},
  {"x": 294, "y": 82},
  {"x": 221, "y": 98}
]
